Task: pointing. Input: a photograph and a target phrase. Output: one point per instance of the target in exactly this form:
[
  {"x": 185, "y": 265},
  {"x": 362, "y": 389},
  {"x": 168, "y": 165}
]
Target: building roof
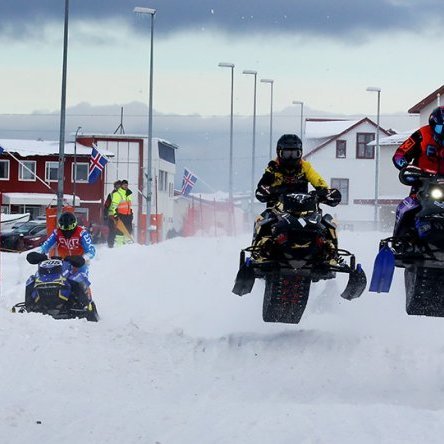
[
  {"x": 321, "y": 128},
  {"x": 334, "y": 129},
  {"x": 426, "y": 101},
  {"x": 395, "y": 139},
  {"x": 46, "y": 199},
  {"x": 26, "y": 148},
  {"x": 124, "y": 136}
]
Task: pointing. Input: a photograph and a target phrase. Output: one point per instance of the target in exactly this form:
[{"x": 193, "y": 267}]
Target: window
[
  {"x": 81, "y": 172},
  {"x": 341, "y": 149},
  {"x": 362, "y": 150},
  {"x": 166, "y": 152},
  {"x": 51, "y": 171},
  {"x": 4, "y": 169},
  {"x": 163, "y": 181},
  {"x": 27, "y": 170},
  {"x": 342, "y": 186}
]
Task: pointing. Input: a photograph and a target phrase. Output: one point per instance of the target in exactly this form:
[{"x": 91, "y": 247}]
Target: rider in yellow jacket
[{"x": 289, "y": 173}]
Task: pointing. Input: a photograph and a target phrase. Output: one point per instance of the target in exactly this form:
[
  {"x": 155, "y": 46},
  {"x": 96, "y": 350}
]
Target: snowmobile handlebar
[
  {"x": 413, "y": 175},
  {"x": 35, "y": 258}
]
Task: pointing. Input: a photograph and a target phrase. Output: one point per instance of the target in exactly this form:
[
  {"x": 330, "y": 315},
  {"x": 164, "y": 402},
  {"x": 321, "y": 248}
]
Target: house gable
[
  {"x": 416, "y": 109},
  {"x": 341, "y": 134}
]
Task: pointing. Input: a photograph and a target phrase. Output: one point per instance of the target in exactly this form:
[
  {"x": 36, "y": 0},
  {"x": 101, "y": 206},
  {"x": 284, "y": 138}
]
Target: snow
[
  {"x": 26, "y": 148},
  {"x": 326, "y": 128},
  {"x": 178, "y": 358}
]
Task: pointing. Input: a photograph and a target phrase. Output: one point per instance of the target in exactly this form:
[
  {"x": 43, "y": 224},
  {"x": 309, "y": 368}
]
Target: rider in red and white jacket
[{"x": 70, "y": 239}]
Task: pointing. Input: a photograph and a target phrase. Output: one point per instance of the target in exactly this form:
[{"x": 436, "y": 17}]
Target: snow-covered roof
[
  {"x": 126, "y": 136},
  {"x": 26, "y": 148},
  {"x": 396, "y": 139},
  {"x": 318, "y": 129},
  {"x": 35, "y": 199}
]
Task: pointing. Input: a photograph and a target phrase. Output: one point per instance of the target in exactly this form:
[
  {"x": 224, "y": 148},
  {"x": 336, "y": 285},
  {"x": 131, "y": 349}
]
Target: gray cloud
[{"x": 338, "y": 18}]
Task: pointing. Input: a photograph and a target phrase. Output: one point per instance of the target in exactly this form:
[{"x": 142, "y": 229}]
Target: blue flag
[
  {"x": 188, "y": 182},
  {"x": 97, "y": 164},
  {"x": 1, "y": 150}
]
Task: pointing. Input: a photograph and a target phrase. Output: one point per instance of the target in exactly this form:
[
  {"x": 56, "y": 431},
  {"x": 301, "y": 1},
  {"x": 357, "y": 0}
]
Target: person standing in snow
[
  {"x": 109, "y": 217},
  {"x": 422, "y": 151},
  {"x": 121, "y": 209}
]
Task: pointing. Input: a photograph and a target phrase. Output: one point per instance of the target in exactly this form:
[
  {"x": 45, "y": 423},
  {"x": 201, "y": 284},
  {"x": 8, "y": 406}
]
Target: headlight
[{"x": 436, "y": 193}]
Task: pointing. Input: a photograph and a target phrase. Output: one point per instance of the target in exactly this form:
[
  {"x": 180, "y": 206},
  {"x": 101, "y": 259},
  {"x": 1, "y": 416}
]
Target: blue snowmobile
[
  {"x": 420, "y": 251},
  {"x": 58, "y": 289}
]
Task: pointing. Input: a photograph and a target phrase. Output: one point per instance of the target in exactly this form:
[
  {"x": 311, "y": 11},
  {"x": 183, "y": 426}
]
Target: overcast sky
[{"x": 323, "y": 52}]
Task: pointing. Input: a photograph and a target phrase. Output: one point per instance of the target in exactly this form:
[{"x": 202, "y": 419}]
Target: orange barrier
[
  {"x": 155, "y": 235},
  {"x": 51, "y": 217}
]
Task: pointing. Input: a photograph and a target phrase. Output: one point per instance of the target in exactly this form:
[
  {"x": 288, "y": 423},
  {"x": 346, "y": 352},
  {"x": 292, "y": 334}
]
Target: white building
[
  {"x": 129, "y": 163},
  {"x": 339, "y": 150}
]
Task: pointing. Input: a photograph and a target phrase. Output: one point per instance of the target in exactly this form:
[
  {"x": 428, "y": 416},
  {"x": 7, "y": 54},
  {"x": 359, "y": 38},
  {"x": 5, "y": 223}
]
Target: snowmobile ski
[
  {"x": 356, "y": 284},
  {"x": 245, "y": 277},
  {"x": 383, "y": 270}
]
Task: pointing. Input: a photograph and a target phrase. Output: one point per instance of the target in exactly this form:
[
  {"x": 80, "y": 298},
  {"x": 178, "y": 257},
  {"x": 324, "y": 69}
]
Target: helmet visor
[
  {"x": 290, "y": 154},
  {"x": 438, "y": 129},
  {"x": 68, "y": 227}
]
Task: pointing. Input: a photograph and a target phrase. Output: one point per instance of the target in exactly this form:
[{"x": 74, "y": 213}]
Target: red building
[{"x": 28, "y": 178}]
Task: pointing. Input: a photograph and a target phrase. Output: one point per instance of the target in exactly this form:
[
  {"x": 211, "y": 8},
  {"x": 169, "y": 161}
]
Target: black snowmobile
[
  {"x": 420, "y": 251},
  {"x": 295, "y": 245},
  {"x": 57, "y": 289}
]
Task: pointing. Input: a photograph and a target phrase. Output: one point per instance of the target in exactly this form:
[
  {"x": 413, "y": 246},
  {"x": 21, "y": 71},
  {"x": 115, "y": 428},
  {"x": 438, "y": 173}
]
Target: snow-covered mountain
[{"x": 177, "y": 358}]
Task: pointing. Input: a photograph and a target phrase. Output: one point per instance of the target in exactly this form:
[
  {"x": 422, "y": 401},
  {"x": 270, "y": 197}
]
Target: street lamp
[
  {"x": 298, "y": 102},
  {"x": 253, "y": 153},
  {"x": 230, "y": 168},
  {"x": 378, "y": 90},
  {"x": 149, "y": 179},
  {"x": 75, "y": 168},
  {"x": 271, "y": 113},
  {"x": 60, "y": 174}
]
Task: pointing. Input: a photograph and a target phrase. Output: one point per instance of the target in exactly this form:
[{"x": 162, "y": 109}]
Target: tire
[
  {"x": 285, "y": 297},
  {"x": 424, "y": 291}
]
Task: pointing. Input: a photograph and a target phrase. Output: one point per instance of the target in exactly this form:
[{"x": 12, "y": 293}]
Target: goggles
[
  {"x": 68, "y": 227},
  {"x": 290, "y": 154}
]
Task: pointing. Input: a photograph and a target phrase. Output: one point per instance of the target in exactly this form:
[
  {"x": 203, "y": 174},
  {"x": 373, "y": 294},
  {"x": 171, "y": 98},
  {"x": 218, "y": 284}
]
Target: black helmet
[
  {"x": 289, "y": 149},
  {"x": 436, "y": 121},
  {"x": 67, "y": 223}
]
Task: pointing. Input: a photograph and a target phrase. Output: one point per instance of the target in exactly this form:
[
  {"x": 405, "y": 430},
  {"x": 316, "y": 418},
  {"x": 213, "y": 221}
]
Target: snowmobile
[
  {"x": 294, "y": 245},
  {"x": 58, "y": 289},
  {"x": 420, "y": 251}
]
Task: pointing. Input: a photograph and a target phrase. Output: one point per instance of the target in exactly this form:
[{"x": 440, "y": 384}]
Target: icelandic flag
[
  {"x": 1, "y": 150},
  {"x": 188, "y": 182},
  {"x": 97, "y": 164}
]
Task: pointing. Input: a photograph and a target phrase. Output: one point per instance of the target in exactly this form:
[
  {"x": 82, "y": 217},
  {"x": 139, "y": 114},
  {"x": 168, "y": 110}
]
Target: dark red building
[{"x": 28, "y": 178}]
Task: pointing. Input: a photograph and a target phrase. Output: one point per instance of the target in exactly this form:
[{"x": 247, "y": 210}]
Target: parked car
[
  {"x": 35, "y": 239},
  {"x": 14, "y": 240}
]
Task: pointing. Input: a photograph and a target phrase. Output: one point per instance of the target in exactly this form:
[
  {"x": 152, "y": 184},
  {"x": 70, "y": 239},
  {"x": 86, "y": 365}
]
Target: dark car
[
  {"x": 35, "y": 239},
  {"x": 14, "y": 240}
]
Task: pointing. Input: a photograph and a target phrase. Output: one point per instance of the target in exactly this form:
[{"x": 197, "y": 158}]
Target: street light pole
[
  {"x": 60, "y": 174},
  {"x": 378, "y": 90},
  {"x": 230, "y": 167},
  {"x": 298, "y": 102},
  {"x": 271, "y": 82},
  {"x": 149, "y": 178},
  {"x": 75, "y": 168},
  {"x": 253, "y": 153}
]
